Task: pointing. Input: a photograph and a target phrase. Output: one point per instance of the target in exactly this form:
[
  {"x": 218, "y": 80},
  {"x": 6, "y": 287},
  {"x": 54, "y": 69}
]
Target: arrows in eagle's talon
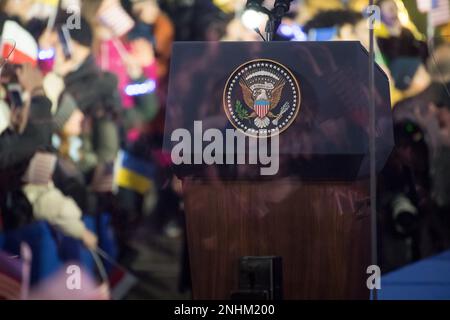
[{"x": 283, "y": 111}]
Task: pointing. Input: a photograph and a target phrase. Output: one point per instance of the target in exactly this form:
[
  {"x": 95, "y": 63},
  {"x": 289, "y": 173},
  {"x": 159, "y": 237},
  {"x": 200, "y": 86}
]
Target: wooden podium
[{"x": 315, "y": 212}]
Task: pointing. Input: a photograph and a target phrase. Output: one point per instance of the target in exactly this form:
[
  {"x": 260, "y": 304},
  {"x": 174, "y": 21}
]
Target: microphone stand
[
  {"x": 270, "y": 28},
  {"x": 275, "y": 16}
]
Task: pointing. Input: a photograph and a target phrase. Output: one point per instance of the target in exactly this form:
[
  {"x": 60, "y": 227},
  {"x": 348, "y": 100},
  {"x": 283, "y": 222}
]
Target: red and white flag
[{"x": 18, "y": 45}]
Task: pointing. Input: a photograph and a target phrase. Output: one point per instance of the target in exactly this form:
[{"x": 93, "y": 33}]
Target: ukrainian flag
[{"x": 134, "y": 173}]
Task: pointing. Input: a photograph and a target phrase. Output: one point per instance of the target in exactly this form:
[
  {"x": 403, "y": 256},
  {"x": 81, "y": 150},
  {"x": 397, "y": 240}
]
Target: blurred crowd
[{"x": 82, "y": 99}]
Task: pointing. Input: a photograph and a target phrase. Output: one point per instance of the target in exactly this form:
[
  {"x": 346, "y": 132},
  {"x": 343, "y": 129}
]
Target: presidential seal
[{"x": 262, "y": 98}]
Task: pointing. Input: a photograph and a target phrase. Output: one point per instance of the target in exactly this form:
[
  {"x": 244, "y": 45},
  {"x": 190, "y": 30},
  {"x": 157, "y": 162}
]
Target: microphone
[
  {"x": 281, "y": 7},
  {"x": 254, "y": 5}
]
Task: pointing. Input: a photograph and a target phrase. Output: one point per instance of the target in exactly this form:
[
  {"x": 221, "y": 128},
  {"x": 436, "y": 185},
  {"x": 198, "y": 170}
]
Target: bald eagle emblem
[{"x": 262, "y": 97}]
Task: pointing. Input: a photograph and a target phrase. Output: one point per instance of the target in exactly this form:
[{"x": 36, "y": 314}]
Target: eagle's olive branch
[{"x": 241, "y": 112}]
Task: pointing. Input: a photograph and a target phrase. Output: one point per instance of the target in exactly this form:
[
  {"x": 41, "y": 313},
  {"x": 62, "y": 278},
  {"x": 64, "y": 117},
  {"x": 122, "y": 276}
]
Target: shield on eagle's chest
[{"x": 262, "y": 108}]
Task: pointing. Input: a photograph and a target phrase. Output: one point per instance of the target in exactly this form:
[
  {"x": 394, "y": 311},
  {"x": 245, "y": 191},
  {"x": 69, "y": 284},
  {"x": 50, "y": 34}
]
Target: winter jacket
[
  {"x": 17, "y": 149},
  {"x": 51, "y": 205},
  {"x": 96, "y": 95}
]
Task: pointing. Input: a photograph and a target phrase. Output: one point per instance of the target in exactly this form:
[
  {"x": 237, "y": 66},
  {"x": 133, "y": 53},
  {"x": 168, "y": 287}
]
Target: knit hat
[{"x": 67, "y": 105}]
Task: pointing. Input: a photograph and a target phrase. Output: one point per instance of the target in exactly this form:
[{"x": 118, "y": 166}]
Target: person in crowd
[
  {"x": 18, "y": 9},
  {"x": 423, "y": 85},
  {"x": 396, "y": 40},
  {"x": 413, "y": 182},
  {"x": 350, "y": 25},
  {"x": 94, "y": 93},
  {"x": 9, "y": 61},
  {"x": 192, "y": 18},
  {"x": 131, "y": 59},
  {"x": 24, "y": 131},
  {"x": 27, "y": 189},
  {"x": 22, "y": 12},
  {"x": 409, "y": 75},
  {"x": 155, "y": 26},
  {"x": 429, "y": 109},
  {"x": 152, "y": 26}
]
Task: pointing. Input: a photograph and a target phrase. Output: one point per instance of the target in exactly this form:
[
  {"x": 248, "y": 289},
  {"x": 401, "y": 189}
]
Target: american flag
[
  {"x": 113, "y": 16},
  {"x": 41, "y": 168},
  {"x": 439, "y": 10}
]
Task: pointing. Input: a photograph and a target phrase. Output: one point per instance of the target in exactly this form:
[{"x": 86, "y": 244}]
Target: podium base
[{"x": 320, "y": 230}]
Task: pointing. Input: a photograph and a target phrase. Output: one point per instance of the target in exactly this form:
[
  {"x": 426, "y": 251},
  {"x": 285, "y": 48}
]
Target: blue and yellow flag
[{"x": 134, "y": 173}]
